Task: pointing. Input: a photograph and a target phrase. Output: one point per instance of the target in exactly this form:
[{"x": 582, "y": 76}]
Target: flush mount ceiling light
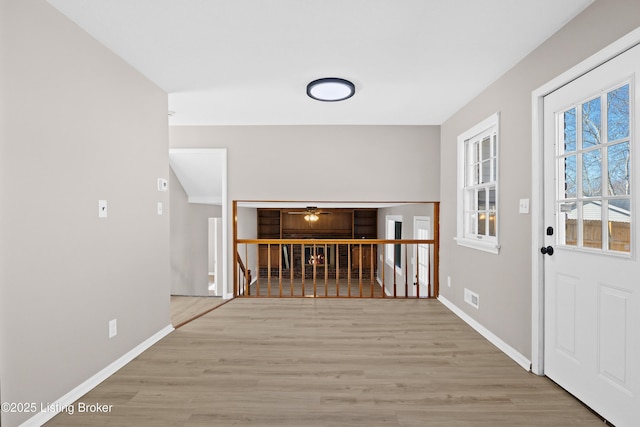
[{"x": 330, "y": 89}]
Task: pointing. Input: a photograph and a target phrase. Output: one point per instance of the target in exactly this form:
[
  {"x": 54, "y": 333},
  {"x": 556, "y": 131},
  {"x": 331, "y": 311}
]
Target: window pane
[
  {"x": 482, "y": 200},
  {"x": 492, "y": 224},
  {"x": 591, "y": 123},
  {"x": 619, "y": 225},
  {"x": 494, "y": 148},
  {"x": 618, "y": 165},
  {"x": 486, "y": 171},
  {"x": 486, "y": 148},
  {"x": 492, "y": 199},
  {"x": 592, "y": 224},
  {"x": 472, "y": 175},
  {"x": 493, "y": 169},
  {"x": 618, "y": 113},
  {"x": 482, "y": 219},
  {"x": 591, "y": 173},
  {"x": 568, "y": 214},
  {"x": 473, "y": 223},
  {"x": 570, "y": 130},
  {"x": 570, "y": 177}
]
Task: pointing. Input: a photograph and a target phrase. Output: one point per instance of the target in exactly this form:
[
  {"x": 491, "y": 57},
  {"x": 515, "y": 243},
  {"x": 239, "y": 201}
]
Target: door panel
[
  {"x": 565, "y": 319},
  {"x": 613, "y": 330},
  {"x": 591, "y": 295},
  {"x": 422, "y": 227}
]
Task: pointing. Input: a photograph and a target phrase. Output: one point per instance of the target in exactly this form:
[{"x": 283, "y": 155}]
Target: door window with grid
[{"x": 594, "y": 173}]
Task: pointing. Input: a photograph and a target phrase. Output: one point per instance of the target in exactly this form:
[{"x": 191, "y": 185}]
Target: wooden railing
[
  {"x": 372, "y": 268},
  {"x": 244, "y": 273}
]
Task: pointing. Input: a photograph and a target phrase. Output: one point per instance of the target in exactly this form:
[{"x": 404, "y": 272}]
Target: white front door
[
  {"x": 422, "y": 231},
  {"x": 591, "y": 258}
]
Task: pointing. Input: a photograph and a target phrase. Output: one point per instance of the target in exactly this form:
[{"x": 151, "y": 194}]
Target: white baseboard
[
  {"x": 490, "y": 336},
  {"x": 75, "y": 394}
]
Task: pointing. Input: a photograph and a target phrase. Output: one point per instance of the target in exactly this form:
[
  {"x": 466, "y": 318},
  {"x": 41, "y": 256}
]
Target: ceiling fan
[{"x": 312, "y": 214}]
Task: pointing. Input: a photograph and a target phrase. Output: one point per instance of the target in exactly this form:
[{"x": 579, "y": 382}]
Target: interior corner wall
[
  {"x": 189, "y": 242},
  {"x": 503, "y": 281},
  {"x": 83, "y": 126},
  {"x": 321, "y": 163}
]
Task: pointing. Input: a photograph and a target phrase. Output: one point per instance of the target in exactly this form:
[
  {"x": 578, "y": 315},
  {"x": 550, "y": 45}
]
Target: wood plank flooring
[
  {"x": 328, "y": 362},
  {"x": 185, "y": 308}
]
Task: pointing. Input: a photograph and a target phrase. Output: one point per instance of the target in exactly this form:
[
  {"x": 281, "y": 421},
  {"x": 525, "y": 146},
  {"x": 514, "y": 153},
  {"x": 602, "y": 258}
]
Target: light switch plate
[
  {"x": 524, "y": 206},
  {"x": 102, "y": 208},
  {"x": 113, "y": 328},
  {"x": 159, "y": 208}
]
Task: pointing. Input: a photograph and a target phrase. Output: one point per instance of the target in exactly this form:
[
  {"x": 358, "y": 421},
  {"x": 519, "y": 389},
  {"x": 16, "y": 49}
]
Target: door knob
[{"x": 547, "y": 251}]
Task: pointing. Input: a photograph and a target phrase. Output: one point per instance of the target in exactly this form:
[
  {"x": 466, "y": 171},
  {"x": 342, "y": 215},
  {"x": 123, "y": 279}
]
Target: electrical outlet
[{"x": 113, "y": 328}]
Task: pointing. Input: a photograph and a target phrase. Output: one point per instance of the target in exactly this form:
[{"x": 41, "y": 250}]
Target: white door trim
[{"x": 537, "y": 193}]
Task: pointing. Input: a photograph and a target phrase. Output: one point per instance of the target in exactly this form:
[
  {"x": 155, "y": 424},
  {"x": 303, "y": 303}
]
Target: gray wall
[
  {"x": 503, "y": 281},
  {"x": 346, "y": 163},
  {"x": 82, "y": 126},
  {"x": 189, "y": 242}
]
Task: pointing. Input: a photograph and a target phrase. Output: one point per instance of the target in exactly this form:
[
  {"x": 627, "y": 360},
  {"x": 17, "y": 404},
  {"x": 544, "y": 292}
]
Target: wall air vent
[{"x": 471, "y": 298}]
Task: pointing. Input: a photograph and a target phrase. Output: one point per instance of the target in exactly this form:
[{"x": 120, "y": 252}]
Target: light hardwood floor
[
  {"x": 328, "y": 362},
  {"x": 185, "y": 308}
]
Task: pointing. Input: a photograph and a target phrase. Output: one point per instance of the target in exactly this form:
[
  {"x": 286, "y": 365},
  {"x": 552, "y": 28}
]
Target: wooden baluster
[
  {"x": 247, "y": 281},
  {"x": 280, "y": 268},
  {"x": 337, "y": 270},
  {"x": 304, "y": 271},
  {"x": 428, "y": 272},
  {"x": 269, "y": 269},
  {"x": 360, "y": 258},
  {"x": 258, "y": 276},
  {"x": 384, "y": 255},
  {"x": 326, "y": 272},
  {"x": 291, "y": 268},
  {"x": 371, "y": 267},
  {"x": 315, "y": 263},
  {"x": 349, "y": 270},
  {"x": 393, "y": 268},
  {"x": 406, "y": 271},
  {"x": 417, "y": 270}
]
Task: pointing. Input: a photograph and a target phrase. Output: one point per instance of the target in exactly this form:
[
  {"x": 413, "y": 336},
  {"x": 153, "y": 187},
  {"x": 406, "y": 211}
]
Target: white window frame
[{"x": 491, "y": 244}]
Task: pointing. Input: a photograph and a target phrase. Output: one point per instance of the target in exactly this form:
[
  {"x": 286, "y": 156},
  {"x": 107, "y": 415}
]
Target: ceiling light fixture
[
  {"x": 331, "y": 89},
  {"x": 312, "y": 217}
]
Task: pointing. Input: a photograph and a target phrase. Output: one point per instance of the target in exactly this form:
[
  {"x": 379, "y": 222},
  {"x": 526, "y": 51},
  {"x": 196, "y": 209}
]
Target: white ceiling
[{"x": 247, "y": 62}]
